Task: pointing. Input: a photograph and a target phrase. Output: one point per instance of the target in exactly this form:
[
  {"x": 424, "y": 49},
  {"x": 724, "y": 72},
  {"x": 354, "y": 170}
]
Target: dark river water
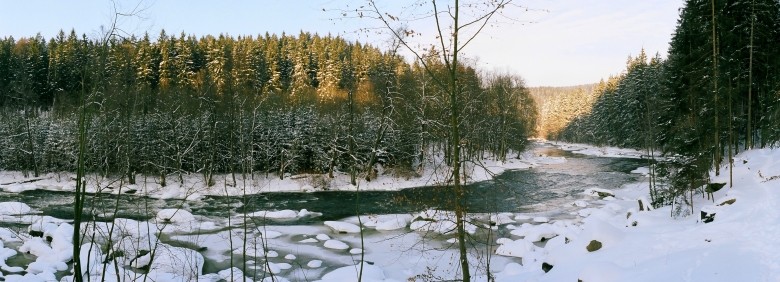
[{"x": 542, "y": 188}]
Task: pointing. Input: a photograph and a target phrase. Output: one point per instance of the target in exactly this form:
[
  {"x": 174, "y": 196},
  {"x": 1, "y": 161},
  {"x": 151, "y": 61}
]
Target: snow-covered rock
[
  {"x": 502, "y": 218},
  {"x": 282, "y": 214},
  {"x": 276, "y": 268},
  {"x": 350, "y": 273},
  {"x": 541, "y": 219},
  {"x": 580, "y": 203},
  {"x": 394, "y": 223},
  {"x": 232, "y": 274},
  {"x": 315, "y": 263},
  {"x": 307, "y": 213},
  {"x": 342, "y": 227},
  {"x": 14, "y": 208},
  {"x": 518, "y": 248},
  {"x": 336, "y": 245},
  {"x": 176, "y": 216},
  {"x": 535, "y": 233},
  {"x": 598, "y": 192},
  {"x": 175, "y": 264}
]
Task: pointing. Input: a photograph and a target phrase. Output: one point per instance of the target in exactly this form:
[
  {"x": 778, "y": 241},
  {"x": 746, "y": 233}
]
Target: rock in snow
[{"x": 598, "y": 192}]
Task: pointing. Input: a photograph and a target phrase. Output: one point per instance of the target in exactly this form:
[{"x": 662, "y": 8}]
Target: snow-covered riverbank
[
  {"x": 634, "y": 245},
  {"x": 625, "y": 244},
  {"x": 193, "y": 187}
]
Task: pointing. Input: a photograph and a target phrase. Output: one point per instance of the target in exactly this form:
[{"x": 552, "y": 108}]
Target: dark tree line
[
  {"x": 280, "y": 104},
  {"x": 717, "y": 93}
]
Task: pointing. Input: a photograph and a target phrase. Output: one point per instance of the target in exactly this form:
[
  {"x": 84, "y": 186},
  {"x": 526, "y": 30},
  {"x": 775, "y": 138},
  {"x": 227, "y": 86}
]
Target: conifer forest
[
  {"x": 315, "y": 156},
  {"x": 273, "y": 103}
]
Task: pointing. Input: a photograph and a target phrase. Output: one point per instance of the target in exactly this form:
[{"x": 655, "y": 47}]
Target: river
[
  {"x": 542, "y": 188},
  {"x": 547, "y": 189}
]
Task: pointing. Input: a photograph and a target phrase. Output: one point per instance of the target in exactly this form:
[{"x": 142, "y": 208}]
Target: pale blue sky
[{"x": 557, "y": 42}]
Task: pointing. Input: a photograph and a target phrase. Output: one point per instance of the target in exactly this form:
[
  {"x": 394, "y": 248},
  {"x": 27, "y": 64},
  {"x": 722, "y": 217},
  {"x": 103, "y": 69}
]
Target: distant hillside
[{"x": 557, "y": 106}]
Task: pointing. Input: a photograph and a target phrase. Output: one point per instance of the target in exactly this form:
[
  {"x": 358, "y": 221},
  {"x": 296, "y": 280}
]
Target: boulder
[
  {"x": 598, "y": 192},
  {"x": 728, "y": 202},
  {"x": 593, "y": 246},
  {"x": 707, "y": 217},
  {"x": 546, "y": 267},
  {"x": 708, "y": 213}
]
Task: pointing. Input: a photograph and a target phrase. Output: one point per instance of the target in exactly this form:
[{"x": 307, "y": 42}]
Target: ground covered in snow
[
  {"x": 606, "y": 238},
  {"x": 191, "y": 186}
]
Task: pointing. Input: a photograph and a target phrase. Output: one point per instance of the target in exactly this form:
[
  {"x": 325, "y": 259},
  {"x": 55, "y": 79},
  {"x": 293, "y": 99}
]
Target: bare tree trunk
[
  {"x": 31, "y": 145},
  {"x": 715, "y": 89},
  {"x": 450, "y": 49},
  {"x": 749, "y": 134}
]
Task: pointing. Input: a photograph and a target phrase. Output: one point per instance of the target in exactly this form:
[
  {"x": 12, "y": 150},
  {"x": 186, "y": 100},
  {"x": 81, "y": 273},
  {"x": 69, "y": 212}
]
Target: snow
[
  {"x": 350, "y": 273},
  {"x": 636, "y": 245},
  {"x": 342, "y": 227},
  {"x": 502, "y": 218},
  {"x": 283, "y": 214},
  {"x": 541, "y": 219},
  {"x": 233, "y": 274},
  {"x": 175, "y": 216},
  {"x": 175, "y": 264},
  {"x": 580, "y": 203},
  {"x": 276, "y": 268},
  {"x": 192, "y": 186},
  {"x": 735, "y": 246},
  {"x": 518, "y": 248},
  {"x": 536, "y": 233},
  {"x": 14, "y": 208},
  {"x": 598, "y": 192},
  {"x": 314, "y": 263},
  {"x": 394, "y": 223},
  {"x": 336, "y": 245},
  {"x": 591, "y": 150}
]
